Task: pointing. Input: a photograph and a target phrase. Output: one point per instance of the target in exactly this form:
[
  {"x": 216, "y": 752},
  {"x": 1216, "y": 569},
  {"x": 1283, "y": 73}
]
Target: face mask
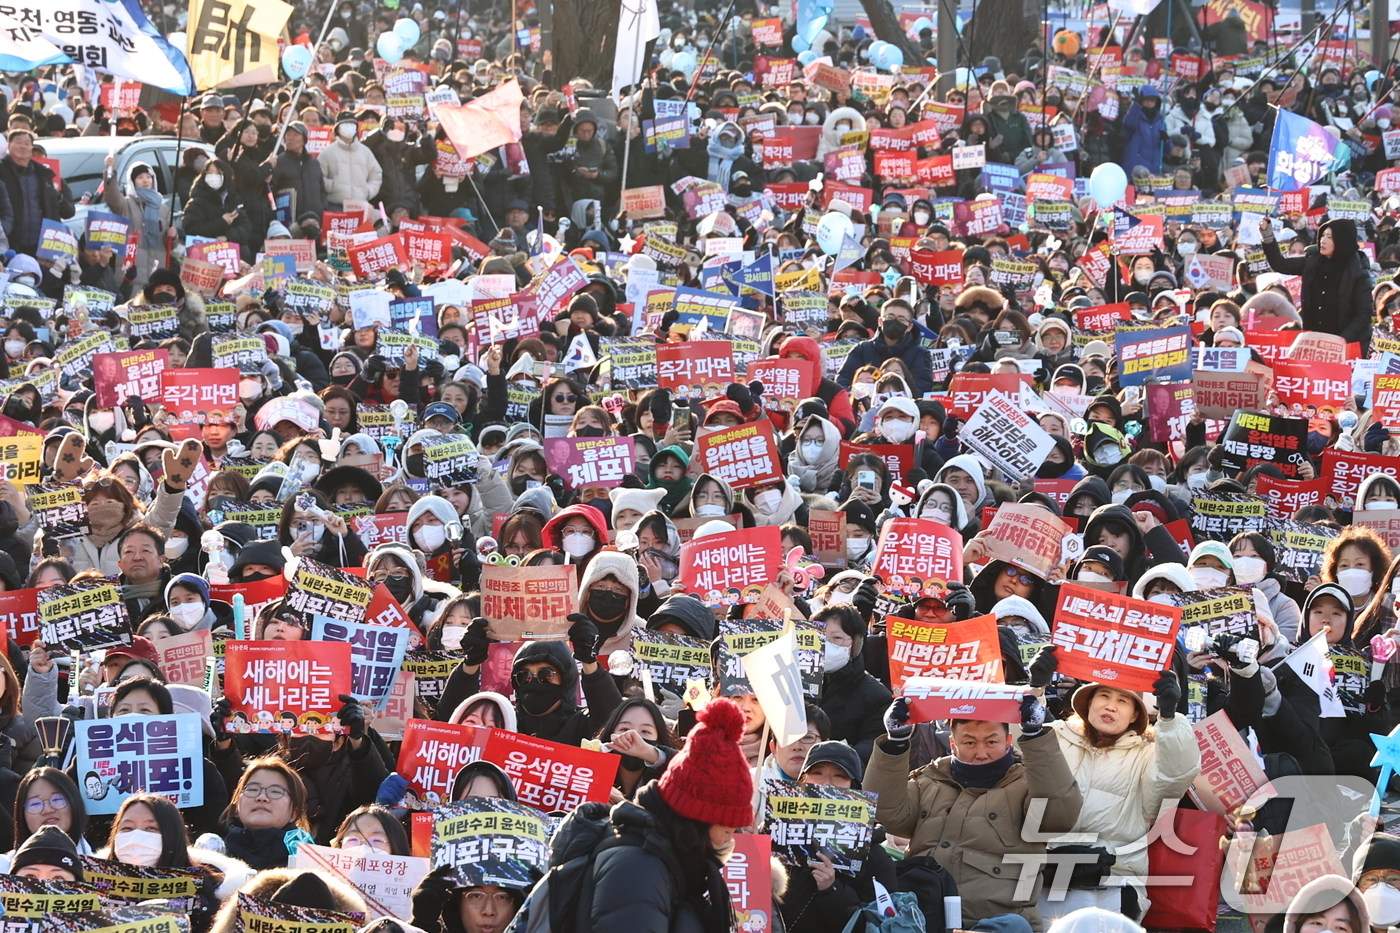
[
  {"x": 537, "y": 697},
  {"x": 1158, "y": 483},
  {"x": 187, "y": 614},
  {"x": 175, "y": 548},
  {"x": 215, "y": 182},
  {"x": 837, "y": 657},
  {"x": 1196, "y": 481},
  {"x": 577, "y": 544},
  {"x": 1209, "y": 577},
  {"x": 768, "y": 501},
  {"x": 1161, "y": 599},
  {"x": 1108, "y": 454},
  {"x": 1384, "y": 123},
  {"x": 1250, "y": 569},
  {"x": 106, "y": 512},
  {"x": 401, "y": 588},
  {"x": 138, "y": 847},
  {"x": 1383, "y": 904},
  {"x": 1376, "y": 504},
  {"x": 921, "y": 217},
  {"x": 82, "y": 122},
  {"x": 1229, "y": 102},
  {"x": 1142, "y": 278},
  {"x": 607, "y": 605},
  {"x": 395, "y": 136},
  {"x": 430, "y": 537},
  {"x": 938, "y": 515},
  {"x": 14, "y": 348},
  {"x": 811, "y": 450},
  {"x": 346, "y": 131},
  {"x": 102, "y": 421},
  {"x": 294, "y": 328},
  {"x": 452, "y": 636},
  {"x": 417, "y": 466},
  {"x": 1356, "y": 582},
  {"x": 708, "y": 511},
  {"x": 892, "y": 330},
  {"x": 249, "y": 388},
  {"x": 1122, "y": 495},
  {"x": 856, "y": 548},
  {"x": 897, "y": 431},
  {"x": 843, "y": 127},
  {"x": 1186, "y": 249},
  {"x": 1089, "y": 576}
]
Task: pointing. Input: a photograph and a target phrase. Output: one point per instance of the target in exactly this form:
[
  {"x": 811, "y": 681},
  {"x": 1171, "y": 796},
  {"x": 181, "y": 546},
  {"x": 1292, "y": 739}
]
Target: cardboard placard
[
  {"x": 523, "y": 603},
  {"x": 1027, "y": 536},
  {"x": 917, "y": 557},
  {"x": 932, "y": 700},
  {"x": 733, "y": 567},
  {"x": 286, "y": 686}
]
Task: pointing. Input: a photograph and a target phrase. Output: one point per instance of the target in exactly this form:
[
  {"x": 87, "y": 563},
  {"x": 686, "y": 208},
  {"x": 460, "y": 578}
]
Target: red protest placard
[
  {"x": 1110, "y": 639},
  {"x": 917, "y": 557},
  {"x": 743, "y": 456},
  {"x": 274, "y": 682},
  {"x": 968, "y": 650},
  {"x": 733, "y": 567},
  {"x": 432, "y": 753},
  {"x": 19, "y": 615},
  {"x": 255, "y": 595},
  {"x": 1271, "y": 345},
  {"x": 1180, "y": 530},
  {"x": 186, "y": 391},
  {"x": 301, "y": 250},
  {"x": 1220, "y": 395},
  {"x": 932, "y": 700},
  {"x": 892, "y": 164},
  {"x": 854, "y": 195},
  {"x": 1230, "y": 776},
  {"x": 768, "y": 33},
  {"x": 970, "y": 390},
  {"x": 748, "y": 873},
  {"x": 1285, "y": 497},
  {"x": 1385, "y": 401},
  {"x": 1027, "y": 536},
  {"x": 888, "y": 140},
  {"x": 551, "y": 776},
  {"x": 937, "y": 268},
  {"x": 184, "y": 659},
  {"x": 1344, "y": 471},
  {"x": 373, "y": 259},
  {"x": 695, "y": 370},
  {"x": 1042, "y": 186},
  {"x": 789, "y": 196},
  {"x": 785, "y": 382},
  {"x": 1314, "y": 347},
  {"x": 385, "y": 610},
  {"x": 1141, "y": 238},
  {"x": 936, "y": 171},
  {"x": 430, "y": 250},
  {"x": 590, "y": 461},
  {"x": 1102, "y": 317},
  {"x": 827, "y": 77},
  {"x": 1312, "y": 389},
  {"x": 116, "y": 377},
  {"x": 124, "y": 96},
  {"x": 899, "y": 458}
]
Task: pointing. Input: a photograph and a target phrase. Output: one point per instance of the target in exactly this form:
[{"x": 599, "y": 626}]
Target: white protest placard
[
  {"x": 1007, "y": 437},
  {"x": 386, "y": 881},
  {"x": 370, "y": 306},
  {"x": 969, "y": 156}
]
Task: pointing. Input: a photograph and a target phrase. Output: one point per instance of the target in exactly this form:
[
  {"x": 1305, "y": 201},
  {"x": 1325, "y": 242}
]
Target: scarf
[
  {"x": 676, "y": 491},
  {"x": 143, "y": 591},
  {"x": 749, "y": 745},
  {"x": 260, "y": 848},
  {"x": 982, "y": 776},
  {"x": 150, "y": 213},
  {"x": 722, "y": 160}
]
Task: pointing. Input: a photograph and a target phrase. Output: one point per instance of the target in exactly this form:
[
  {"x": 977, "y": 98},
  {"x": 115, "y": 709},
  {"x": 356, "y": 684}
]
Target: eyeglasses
[
  {"x": 38, "y": 804},
  {"x": 1025, "y": 579},
  {"x": 547, "y": 675},
  {"x": 500, "y": 899},
  {"x": 270, "y": 791},
  {"x": 382, "y": 574}
]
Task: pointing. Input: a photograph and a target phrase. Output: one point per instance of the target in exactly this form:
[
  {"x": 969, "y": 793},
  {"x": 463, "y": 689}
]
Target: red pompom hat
[{"x": 710, "y": 780}]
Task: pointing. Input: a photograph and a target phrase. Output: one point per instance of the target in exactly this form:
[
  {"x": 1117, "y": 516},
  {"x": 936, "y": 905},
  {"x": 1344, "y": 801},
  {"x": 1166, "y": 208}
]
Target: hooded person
[
  {"x": 836, "y": 399},
  {"x": 1063, "y": 465},
  {"x": 467, "y": 782},
  {"x": 1086, "y": 496},
  {"x": 573, "y": 543},
  {"x": 941, "y": 503},
  {"x": 607, "y": 597},
  {"x": 676, "y": 488},
  {"x": 1104, "y": 448},
  {"x": 964, "y": 473},
  {"x": 485, "y": 709},
  {"x": 686, "y": 615},
  {"x": 815, "y": 462},
  {"x": 1115, "y": 526},
  {"x": 713, "y": 497},
  {"x": 726, "y": 155},
  {"x": 1332, "y": 902},
  {"x": 421, "y": 597},
  {"x": 1144, "y": 127},
  {"x": 659, "y": 554},
  {"x": 1376, "y": 874},
  {"x": 1046, "y": 331},
  {"x": 163, "y": 287},
  {"x": 1336, "y": 296},
  {"x": 777, "y": 503},
  {"x": 629, "y": 505}
]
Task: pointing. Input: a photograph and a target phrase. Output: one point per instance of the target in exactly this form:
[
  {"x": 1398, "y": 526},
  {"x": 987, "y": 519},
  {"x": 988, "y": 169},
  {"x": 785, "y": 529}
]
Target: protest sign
[
  {"x": 701, "y": 369},
  {"x": 733, "y": 567},
  {"x": 107, "y": 229},
  {"x": 84, "y": 615},
  {"x": 590, "y": 461},
  {"x": 376, "y": 654},
  {"x": 1219, "y": 516},
  {"x": 1111, "y": 639},
  {"x": 1312, "y": 389},
  {"x": 1027, "y": 536},
  {"x": 1346, "y": 469},
  {"x": 124, "y": 884},
  {"x": 970, "y": 391},
  {"x": 261, "y": 915},
  {"x": 430, "y": 670},
  {"x": 1007, "y": 437},
  {"x": 20, "y": 458},
  {"x": 32, "y": 900},
  {"x": 154, "y": 754},
  {"x": 785, "y": 381},
  {"x": 748, "y": 875},
  {"x": 385, "y": 881},
  {"x": 432, "y": 753},
  {"x": 119, "y": 376},
  {"x": 931, "y": 700},
  {"x": 1221, "y": 394},
  {"x": 319, "y": 589},
  {"x": 917, "y": 557},
  {"x": 743, "y": 456},
  {"x": 527, "y": 602},
  {"x": 1285, "y": 497},
  {"x": 669, "y": 661},
  {"x": 182, "y": 657},
  {"x": 967, "y": 650},
  {"x": 450, "y": 459},
  {"x": 490, "y": 840},
  {"x": 61, "y": 508},
  {"x": 1220, "y": 610},
  {"x": 551, "y": 776},
  {"x": 1163, "y": 353},
  {"x": 898, "y": 458},
  {"x": 1253, "y": 438},
  {"x": 56, "y": 242},
  {"x": 1299, "y": 546},
  {"x": 805, "y": 820},
  {"x": 285, "y": 686}
]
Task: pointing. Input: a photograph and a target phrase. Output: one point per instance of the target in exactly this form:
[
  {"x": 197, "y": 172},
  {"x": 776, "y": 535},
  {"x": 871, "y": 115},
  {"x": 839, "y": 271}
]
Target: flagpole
[
  {"x": 296, "y": 95},
  {"x": 631, "y": 108}
]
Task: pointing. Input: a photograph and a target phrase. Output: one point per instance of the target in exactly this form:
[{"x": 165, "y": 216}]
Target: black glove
[
  {"x": 1374, "y": 695},
  {"x": 218, "y": 718},
  {"x": 756, "y": 390},
  {"x": 352, "y": 716},
  {"x": 583, "y": 635},
  {"x": 475, "y": 644},
  {"x": 951, "y": 427},
  {"x": 897, "y": 724},
  {"x": 1167, "y": 690},
  {"x": 374, "y": 368},
  {"x": 555, "y": 484},
  {"x": 1033, "y": 716},
  {"x": 432, "y": 368},
  {"x": 137, "y": 407},
  {"x": 660, "y": 404},
  {"x": 1042, "y": 669},
  {"x": 961, "y": 601},
  {"x": 865, "y": 596},
  {"x": 739, "y": 393},
  {"x": 431, "y": 896},
  {"x": 1227, "y": 648}
]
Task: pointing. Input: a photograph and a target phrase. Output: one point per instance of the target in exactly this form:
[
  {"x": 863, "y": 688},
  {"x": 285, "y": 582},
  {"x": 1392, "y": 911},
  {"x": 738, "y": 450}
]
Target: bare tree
[
  {"x": 1007, "y": 29},
  {"x": 886, "y": 24},
  {"x": 584, "y": 39}
]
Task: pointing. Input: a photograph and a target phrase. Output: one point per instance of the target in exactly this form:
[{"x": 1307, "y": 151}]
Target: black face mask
[
  {"x": 417, "y": 465},
  {"x": 518, "y": 486},
  {"x": 264, "y": 131},
  {"x": 607, "y": 605},
  {"x": 255, "y": 577},
  {"x": 631, "y": 763},
  {"x": 401, "y": 588},
  {"x": 743, "y": 191},
  {"x": 589, "y": 430},
  {"x": 343, "y": 380},
  {"x": 165, "y": 298},
  {"x": 537, "y": 697},
  {"x": 893, "y": 330}
]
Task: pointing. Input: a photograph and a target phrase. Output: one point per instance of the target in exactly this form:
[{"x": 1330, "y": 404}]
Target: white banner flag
[{"x": 776, "y": 679}]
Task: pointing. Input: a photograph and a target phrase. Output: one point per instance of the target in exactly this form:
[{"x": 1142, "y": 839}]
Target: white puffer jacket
[{"x": 352, "y": 173}]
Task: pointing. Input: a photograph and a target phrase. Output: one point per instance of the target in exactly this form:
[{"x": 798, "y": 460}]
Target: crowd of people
[{"x": 1059, "y": 286}]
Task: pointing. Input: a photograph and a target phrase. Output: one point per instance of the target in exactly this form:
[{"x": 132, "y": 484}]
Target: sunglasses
[
  {"x": 544, "y": 676},
  {"x": 566, "y": 399},
  {"x": 1025, "y": 579}
]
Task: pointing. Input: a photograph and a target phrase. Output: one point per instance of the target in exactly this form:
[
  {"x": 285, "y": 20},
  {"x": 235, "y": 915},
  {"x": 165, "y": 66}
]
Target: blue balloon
[
  {"x": 1107, "y": 184},
  {"x": 800, "y": 44},
  {"x": 296, "y": 61},
  {"x": 889, "y": 58},
  {"x": 806, "y": 58},
  {"x": 408, "y": 32},
  {"x": 390, "y": 47}
]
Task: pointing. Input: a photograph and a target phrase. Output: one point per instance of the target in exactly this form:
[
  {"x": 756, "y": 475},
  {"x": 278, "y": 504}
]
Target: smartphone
[
  {"x": 1132, "y": 394},
  {"x": 865, "y": 479}
]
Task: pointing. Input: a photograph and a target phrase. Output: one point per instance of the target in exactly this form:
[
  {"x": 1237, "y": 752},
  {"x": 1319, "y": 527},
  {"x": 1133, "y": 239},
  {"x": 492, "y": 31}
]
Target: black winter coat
[
  {"x": 302, "y": 173},
  {"x": 51, "y": 204},
  {"x": 856, "y": 704},
  {"x": 1347, "y": 313},
  {"x": 875, "y": 351},
  {"x": 399, "y": 162},
  {"x": 808, "y": 910},
  {"x": 205, "y": 210}
]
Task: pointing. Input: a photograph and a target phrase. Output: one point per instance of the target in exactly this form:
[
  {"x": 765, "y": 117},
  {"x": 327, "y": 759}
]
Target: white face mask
[
  {"x": 430, "y": 537},
  {"x": 187, "y": 614},
  {"x": 921, "y": 217},
  {"x": 1384, "y": 123},
  {"x": 363, "y": 850},
  {"x": 1356, "y": 582},
  {"x": 708, "y": 510},
  {"x": 295, "y": 328},
  {"x": 1090, "y": 576},
  {"x": 138, "y": 847},
  {"x": 1186, "y": 248},
  {"x": 1196, "y": 481},
  {"x": 215, "y": 182},
  {"x": 101, "y": 421},
  {"x": 1159, "y": 483},
  {"x": 1208, "y": 577},
  {"x": 768, "y": 501},
  {"x": 249, "y": 388},
  {"x": 1383, "y": 904},
  {"x": 856, "y": 548},
  {"x": 346, "y": 132},
  {"x": 82, "y": 122},
  {"x": 1250, "y": 569},
  {"x": 936, "y": 514},
  {"x": 175, "y": 548},
  {"x": 578, "y": 544},
  {"x": 1108, "y": 454},
  {"x": 1122, "y": 495},
  {"x": 395, "y": 136},
  {"x": 837, "y": 657},
  {"x": 14, "y": 349},
  {"x": 811, "y": 450},
  {"x": 452, "y": 636},
  {"x": 1162, "y": 599},
  {"x": 896, "y": 430},
  {"x": 1374, "y": 505},
  {"x": 1142, "y": 278}
]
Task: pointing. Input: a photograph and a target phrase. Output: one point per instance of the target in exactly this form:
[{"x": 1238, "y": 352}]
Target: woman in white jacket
[
  {"x": 1126, "y": 770},
  {"x": 352, "y": 172}
]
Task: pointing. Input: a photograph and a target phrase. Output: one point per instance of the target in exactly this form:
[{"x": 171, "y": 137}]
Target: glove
[
  {"x": 475, "y": 644},
  {"x": 352, "y": 717},
  {"x": 897, "y": 724},
  {"x": 70, "y": 462},
  {"x": 863, "y": 599},
  {"x": 218, "y": 718},
  {"x": 951, "y": 427},
  {"x": 1042, "y": 669},
  {"x": 1227, "y": 648},
  {"x": 1033, "y": 716},
  {"x": 583, "y": 635},
  {"x": 179, "y": 464},
  {"x": 961, "y": 601},
  {"x": 58, "y": 267},
  {"x": 660, "y": 405},
  {"x": 756, "y": 390},
  {"x": 1374, "y": 695},
  {"x": 1168, "y": 693},
  {"x": 137, "y": 407},
  {"x": 739, "y": 393},
  {"x": 555, "y": 484},
  {"x": 391, "y": 790},
  {"x": 432, "y": 368},
  {"x": 374, "y": 368},
  {"x": 431, "y": 895}
]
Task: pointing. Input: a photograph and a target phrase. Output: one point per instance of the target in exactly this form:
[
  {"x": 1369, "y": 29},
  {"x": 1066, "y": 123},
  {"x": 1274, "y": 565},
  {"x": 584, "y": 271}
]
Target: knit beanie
[
  {"x": 51, "y": 846},
  {"x": 709, "y": 780},
  {"x": 190, "y": 581}
]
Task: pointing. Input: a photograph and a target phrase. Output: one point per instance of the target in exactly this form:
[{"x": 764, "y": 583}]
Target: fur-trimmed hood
[
  {"x": 618, "y": 565},
  {"x": 234, "y": 873}
]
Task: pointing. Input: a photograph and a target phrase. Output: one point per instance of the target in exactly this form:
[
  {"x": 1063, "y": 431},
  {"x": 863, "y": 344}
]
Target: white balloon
[
  {"x": 390, "y": 47},
  {"x": 832, "y": 231},
  {"x": 296, "y": 61},
  {"x": 408, "y": 32},
  {"x": 684, "y": 61}
]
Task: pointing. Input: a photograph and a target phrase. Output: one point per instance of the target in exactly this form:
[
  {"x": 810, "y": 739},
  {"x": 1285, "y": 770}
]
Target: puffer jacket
[
  {"x": 83, "y": 554},
  {"x": 970, "y": 830},
  {"x": 302, "y": 173},
  {"x": 399, "y": 162},
  {"x": 1127, "y": 784},
  {"x": 352, "y": 173},
  {"x": 855, "y": 701}
]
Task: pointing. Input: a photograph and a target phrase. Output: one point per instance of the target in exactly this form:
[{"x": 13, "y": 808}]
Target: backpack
[{"x": 565, "y": 892}]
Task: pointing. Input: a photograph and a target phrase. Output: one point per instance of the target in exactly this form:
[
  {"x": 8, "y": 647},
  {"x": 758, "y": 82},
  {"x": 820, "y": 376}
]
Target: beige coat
[{"x": 970, "y": 831}]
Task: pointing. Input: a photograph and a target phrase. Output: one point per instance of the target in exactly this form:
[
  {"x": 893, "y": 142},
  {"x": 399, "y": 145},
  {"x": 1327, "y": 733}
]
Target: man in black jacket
[
  {"x": 300, "y": 171},
  {"x": 31, "y": 191},
  {"x": 897, "y": 338}
]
